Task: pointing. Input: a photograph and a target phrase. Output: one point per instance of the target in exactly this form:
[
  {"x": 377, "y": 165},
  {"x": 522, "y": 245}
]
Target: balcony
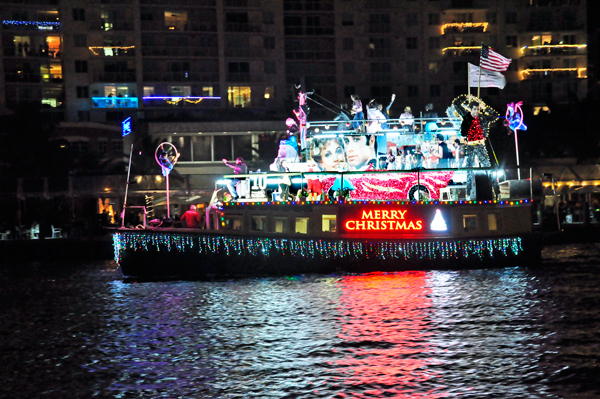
[
  {"x": 113, "y": 51},
  {"x": 170, "y": 101},
  {"x": 551, "y": 49},
  {"x": 105, "y": 25},
  {"x": 190, "y": 26},
  {"x": 553, "y": 73},
  {"x": 31, "y": 26},
  {"x": 114, "y": 77},
  {"x": 461, "y": 51},
  {"x": 242, "y": 27},
  {"x": 465, "y": 27},
  {"x": 181, "y": 77},
  {"x": 25, "y": 52},
  {"x": 245, "y": 52},
  {"x": 22, "y": 77},
  {"x": 114, "y": 102}
]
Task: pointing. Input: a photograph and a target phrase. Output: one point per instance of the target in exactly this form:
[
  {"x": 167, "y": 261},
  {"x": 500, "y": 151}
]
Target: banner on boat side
[{"x": 394, "y": 221}]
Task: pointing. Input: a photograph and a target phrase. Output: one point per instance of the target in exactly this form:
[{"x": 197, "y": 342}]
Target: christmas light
[
  {"x": 534, "y": 70},
  {"x": 461, "y": 48},
  {"x": 38, "y": 24},
  {"x": 311, "y": 249},
  {"x": 462, "y": 25},
  {"x": 94, "y": 48},
  {"x": 553, "y": 46}
]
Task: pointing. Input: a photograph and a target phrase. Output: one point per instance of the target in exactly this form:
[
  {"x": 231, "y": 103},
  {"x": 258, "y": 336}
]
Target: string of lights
[
  {"x": 351, "y": 202},
  {"x": 534, "y": 70},
  {"x": 94, "y": 48},
  {"x": 311, "y": 249},
  {"x": 461, "y": 26}
]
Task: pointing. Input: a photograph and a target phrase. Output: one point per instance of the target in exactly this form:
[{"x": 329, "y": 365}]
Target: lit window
[
  {"x": 176, "y": 20},
  {"x": 207, "y": 91},
  {"x": 148, "y": 91},
  {"x": 301, "y": 225},
  {"x": 233, "y": 223},
  {"x": 269, "y": 91},
  {"x": 494, "y": 221},
  {"x": 280, "y": 224},
  {"x": 239, "y": 96},
  {"x": 329, "y": 223}
]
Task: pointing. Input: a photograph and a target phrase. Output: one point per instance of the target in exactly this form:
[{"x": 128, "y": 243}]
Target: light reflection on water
[{"x": 79, "y": 331}]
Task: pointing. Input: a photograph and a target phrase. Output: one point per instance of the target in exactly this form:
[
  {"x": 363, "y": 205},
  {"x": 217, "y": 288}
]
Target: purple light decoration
[{"x": 172, "y": 97}]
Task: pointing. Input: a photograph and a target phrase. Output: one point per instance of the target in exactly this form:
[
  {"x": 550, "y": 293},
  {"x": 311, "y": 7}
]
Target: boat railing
[{"x": 382, "y": 126}]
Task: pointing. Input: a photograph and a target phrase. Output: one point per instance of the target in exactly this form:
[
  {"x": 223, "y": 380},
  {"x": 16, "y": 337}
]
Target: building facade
[{"x": 98, "y": 62}]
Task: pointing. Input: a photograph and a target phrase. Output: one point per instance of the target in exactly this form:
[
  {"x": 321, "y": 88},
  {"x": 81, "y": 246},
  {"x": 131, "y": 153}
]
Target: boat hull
[{"x": 169, "y": 253}]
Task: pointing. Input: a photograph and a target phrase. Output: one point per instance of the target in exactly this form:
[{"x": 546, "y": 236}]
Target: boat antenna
[
  {"x": 335, "y": 105},
  {"x": 127, "y": 188}
]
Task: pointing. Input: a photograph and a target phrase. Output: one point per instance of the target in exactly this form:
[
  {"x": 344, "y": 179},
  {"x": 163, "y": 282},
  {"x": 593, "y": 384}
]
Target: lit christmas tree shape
[{"x": 438, "y": 223}]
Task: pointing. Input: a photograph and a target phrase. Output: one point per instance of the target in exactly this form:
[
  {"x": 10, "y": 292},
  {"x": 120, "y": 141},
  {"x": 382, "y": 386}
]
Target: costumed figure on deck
[
  {"x": 166, "y": 163},
  {"x": 514, "y": 117},
  {"x": 475, "y": 126}
]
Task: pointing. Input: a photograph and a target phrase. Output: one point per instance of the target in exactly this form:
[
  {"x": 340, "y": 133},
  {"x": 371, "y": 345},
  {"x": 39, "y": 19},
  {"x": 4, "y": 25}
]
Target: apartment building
[{"x": 179, "y": 69}]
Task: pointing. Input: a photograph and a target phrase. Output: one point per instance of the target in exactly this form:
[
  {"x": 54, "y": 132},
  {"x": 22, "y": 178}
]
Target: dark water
[{"x": 78, "y": 331}]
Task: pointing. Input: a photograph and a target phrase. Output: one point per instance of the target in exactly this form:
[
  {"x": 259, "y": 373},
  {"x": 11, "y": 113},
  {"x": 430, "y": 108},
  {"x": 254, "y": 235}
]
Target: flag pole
[
  {"x": 468, "y": 79},
  {"x": 479, "y": 83}
]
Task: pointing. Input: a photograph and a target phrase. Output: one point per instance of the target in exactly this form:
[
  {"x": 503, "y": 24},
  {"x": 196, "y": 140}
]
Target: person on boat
[
  {"x": 417, "y": 158},
  {"x": 430, "y": 115},
  {"x": 407, "y": 120},
  {"x": 442, "y": 152},
  {"x": 382, "y": 137},
  {"x": 360, "y": 151},
  {"x": 329, "y": 155},
  {"x": 191, "y": 218},
  {"x": 166, "y": 163},
  {"x": 475, "y": 127},
  {"x": 342, "y": 118},
  {"x": 285, "y": 181},
  {"x": 357, "y": 111},
  {"x": 239, "y": 168},
  {"x": 386, "y": 112},
  {"x": 293, "y": 132}
]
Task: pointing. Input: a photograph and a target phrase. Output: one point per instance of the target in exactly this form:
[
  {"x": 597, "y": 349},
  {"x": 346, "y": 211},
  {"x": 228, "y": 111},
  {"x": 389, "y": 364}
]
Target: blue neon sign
[{"x": 126, "y": 126}]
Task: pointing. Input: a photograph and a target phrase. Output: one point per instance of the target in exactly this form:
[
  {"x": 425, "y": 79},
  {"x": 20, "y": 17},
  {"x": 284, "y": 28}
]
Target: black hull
[{"x": 168, "y": 255}]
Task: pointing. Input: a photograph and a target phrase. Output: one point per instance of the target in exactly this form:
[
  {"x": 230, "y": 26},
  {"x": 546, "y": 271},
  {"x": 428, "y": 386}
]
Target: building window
[
  {"x": 434, "y": 19},
  {"x": 269, "y": 92},
  {"x": 238, "y": 71},
  {"x": 411, "y": 43},
  {"x": 78, "y": 14},
  {"x": 117, "y": 146},
  {"x": 233, "y": 223},
  {"x": 83, "y": 116},
  {"x": 348, "y": 68},
  {"x": 381, "y": 91},
  {"x": 270, "y": 67},
  {"x": 329, "y": 223},
  {"x": 511, "y": 41},
  {"x": 381, "y": 72},
  {"x": 470, "y": 222},
  {"x": 148, "y": 91},
  {"x": 412, "y": 66},
  {"x": 80, "y": 40},
  {"x": 511, "y": 17},
  {"x": 349, "y": 90},
  {"x": 222, "y": 147},
  {"x": 459, "y": 68},
  {"x": 413, "y": 91},
  {"x": 379, "y": 23},
  {"x": 180, "y": 91},
  {"x": 259, "y": 223},
  {"x": 434, "y": 67},
  {"x": 102, "y": 146},
  {"x": 412, "y": 19},
  {"x": 83, "y": 92},
  {"x": 348, "y": 43},
  {"x": 207, "y": 91},
  {"x": 494, "y": 221},
  {"x": 491, "y": 17},
  {"x": 301, "y": 226},
  {"x": 81, "y": 66},
  {"x": 239, "y": 96},
  {"x": 434, "y": 43},
  {"x": 280, "y": 224},
  {"x": 459, "y": 89},
  {"x": 268, "y": 18},
  {"x": 347, "y": 19},
  {"x": 434, "y": 91},
  {"x": 568, "y": 39},
  {"x": 269, "y": 42},
  {"x": 464, "y": 17},
  {"x": 176, "y": 20}
]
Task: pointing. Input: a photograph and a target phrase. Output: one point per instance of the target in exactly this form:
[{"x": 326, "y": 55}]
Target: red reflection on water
[{"x": 385, "y": 336}]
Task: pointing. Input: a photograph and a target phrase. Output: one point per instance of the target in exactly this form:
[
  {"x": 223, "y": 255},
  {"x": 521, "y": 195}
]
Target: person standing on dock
[{"x": 191, "y": 218}]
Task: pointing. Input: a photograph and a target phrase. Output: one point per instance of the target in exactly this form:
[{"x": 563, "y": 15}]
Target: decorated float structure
[{"x": 386, "y": 196}]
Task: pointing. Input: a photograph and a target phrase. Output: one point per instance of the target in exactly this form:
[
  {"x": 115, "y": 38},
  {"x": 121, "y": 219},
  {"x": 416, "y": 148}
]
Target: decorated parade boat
[{"x": 387, "y": 206}]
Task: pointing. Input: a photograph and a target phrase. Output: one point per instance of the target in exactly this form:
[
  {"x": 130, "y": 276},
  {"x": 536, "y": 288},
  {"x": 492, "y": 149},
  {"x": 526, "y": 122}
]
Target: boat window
[
  {"x": 280, "y": 224},
  {"x": 302, "y": 225},
  {"x": 470, "y": 222},
  {"x": 329, "y": 223},
  {"x": 259, "y": 223},
  {"x": 232, "y": 223},
  {"x": 494, "y": 221}
]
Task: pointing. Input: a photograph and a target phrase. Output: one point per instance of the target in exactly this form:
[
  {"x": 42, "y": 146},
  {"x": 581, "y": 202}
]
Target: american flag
[{"x": 492, "y": 61}]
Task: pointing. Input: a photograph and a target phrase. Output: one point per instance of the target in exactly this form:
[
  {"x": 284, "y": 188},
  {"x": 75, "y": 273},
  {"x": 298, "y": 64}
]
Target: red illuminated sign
[
  {"x": 409, "y": 220},
  {"x": 389, "y": 219}
]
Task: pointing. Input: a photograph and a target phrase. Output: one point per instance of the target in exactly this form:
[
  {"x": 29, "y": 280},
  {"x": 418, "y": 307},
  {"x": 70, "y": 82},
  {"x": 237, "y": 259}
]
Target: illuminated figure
[
  {"x": 476, "y": 120},
  {"x": 514, "y": 122}
]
